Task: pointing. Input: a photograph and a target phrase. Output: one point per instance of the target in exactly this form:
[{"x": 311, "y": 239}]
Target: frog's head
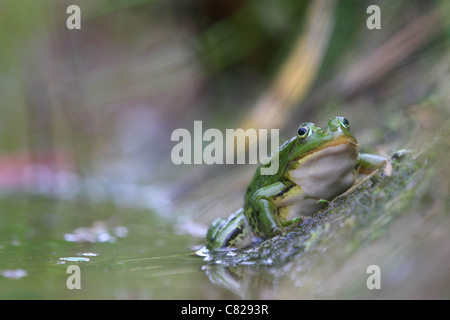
[
  {"x": 322, "y": 161},
  {"x": 311, "y": 138}
]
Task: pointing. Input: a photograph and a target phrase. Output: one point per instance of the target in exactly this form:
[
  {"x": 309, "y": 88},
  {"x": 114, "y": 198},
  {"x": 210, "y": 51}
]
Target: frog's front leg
[
  {"x": 262, "y": 214},
  {"x": 368, "y": 163}
]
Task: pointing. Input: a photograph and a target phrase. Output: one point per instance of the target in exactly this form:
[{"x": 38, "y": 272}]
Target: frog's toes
[
  {"x": 295, "y": 222},
  {"x": 278, "y": 231}
]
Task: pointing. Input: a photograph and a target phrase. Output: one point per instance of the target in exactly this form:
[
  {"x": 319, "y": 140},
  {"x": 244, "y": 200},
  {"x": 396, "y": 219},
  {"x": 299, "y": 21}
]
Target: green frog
[{"x": 315, "y": 166}]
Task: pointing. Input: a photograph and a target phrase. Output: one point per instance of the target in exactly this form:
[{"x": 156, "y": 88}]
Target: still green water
[{"x": 121, "y": 253}]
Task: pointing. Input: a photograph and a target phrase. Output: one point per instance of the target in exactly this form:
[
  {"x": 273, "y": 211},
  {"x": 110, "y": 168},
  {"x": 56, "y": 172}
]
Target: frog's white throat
[{"x": 328, "y": 172}]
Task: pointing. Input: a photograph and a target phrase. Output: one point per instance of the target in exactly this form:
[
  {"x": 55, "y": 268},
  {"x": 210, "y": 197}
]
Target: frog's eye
[
  {"x": 303, "y": 132},
  {"x": 345, "y": 123}
]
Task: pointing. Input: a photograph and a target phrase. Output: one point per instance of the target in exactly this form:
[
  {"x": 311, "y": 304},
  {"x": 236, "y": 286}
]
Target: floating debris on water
[
  {"x": 74, "y": 259},
  {"x": 14, "y": 273},
  {"x": 89, "y": 254},
  {"x": 80, "y": 258},
  {"x": 97, "y": 233}
]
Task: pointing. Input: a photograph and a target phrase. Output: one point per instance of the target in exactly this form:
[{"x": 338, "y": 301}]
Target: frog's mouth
[
  {"x": 354, "y": 143},
  {"x": 345, "y": 143}
]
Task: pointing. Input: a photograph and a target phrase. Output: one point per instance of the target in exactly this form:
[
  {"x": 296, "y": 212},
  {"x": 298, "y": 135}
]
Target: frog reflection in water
[{"x": 314, "y": 167}]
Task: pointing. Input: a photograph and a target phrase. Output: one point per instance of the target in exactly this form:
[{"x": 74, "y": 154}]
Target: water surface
[{"x": 123, "y": 253}]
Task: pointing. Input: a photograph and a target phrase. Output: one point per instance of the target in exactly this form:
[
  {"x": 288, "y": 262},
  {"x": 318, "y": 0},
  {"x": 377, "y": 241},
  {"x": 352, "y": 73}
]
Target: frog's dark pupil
[
  {"x": 345, "y": 122},
  {"x": 302, "y": 131}
]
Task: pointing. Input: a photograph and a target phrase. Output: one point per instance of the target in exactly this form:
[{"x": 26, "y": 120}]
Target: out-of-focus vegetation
[{"x": 86, "y": 117}]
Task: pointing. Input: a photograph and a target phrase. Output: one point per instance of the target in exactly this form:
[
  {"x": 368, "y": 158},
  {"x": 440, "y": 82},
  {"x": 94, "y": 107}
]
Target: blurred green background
[{"x": 86, "y": 118}]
